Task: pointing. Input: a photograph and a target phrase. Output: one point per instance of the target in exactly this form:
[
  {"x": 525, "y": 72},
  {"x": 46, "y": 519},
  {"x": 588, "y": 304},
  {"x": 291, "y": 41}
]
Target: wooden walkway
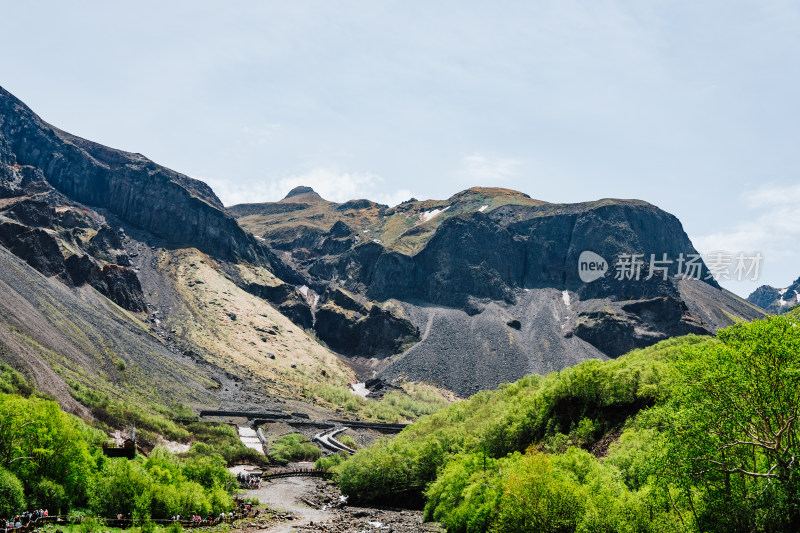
[{"x": 300, "y": 472}]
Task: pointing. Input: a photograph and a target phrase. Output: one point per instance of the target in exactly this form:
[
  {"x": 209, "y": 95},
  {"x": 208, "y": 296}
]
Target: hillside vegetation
[
  {"x": 691, "y": 434},
  {"x": 53, "y": 460}
]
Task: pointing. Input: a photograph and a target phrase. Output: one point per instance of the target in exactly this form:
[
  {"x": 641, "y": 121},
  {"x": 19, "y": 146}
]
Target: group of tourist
[
  {"x": 22, "y": 520},
  {"x": 248, "y": 481}
]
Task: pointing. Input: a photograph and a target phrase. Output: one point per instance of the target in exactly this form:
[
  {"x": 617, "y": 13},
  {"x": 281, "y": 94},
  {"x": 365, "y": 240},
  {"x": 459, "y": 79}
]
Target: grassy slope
[{"x": 237, "y": 328}]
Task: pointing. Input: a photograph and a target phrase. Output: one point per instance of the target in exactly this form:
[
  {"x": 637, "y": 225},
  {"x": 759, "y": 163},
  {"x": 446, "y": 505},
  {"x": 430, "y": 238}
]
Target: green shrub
[
  {"x": 293, "y": 447},
  {"x": 348, "y": 441},
  {"x": 47, "y": 494},
  {"x": 90, "y": 524},
  {"x": 327, "y": 463},
  {"x": 12, "y": 497}
]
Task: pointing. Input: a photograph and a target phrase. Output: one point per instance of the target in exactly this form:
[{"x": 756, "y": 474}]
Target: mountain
[
  {"x": 125, "y": 278},
  {"x": 775, "y": 300},
  {"x": 484, "y": 287}
]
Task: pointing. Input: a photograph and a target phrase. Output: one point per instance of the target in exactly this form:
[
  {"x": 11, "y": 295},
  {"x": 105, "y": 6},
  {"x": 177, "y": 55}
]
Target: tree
[
  {"x": 12, "y": 499},
  {"x": 737, "y": 421}
]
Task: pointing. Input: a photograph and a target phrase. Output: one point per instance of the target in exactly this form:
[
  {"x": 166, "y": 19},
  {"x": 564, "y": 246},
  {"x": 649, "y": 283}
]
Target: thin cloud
[
  {"x": 769, "y": 224},
  {"x": 481, "y": 169}
]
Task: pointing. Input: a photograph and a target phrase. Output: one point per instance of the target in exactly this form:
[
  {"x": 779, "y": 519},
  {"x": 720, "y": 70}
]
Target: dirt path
[{"x": 286, "y": 495}]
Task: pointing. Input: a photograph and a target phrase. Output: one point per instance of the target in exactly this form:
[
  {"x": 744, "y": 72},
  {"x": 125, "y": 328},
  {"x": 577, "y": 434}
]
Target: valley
[{"x": 446, "y": 357}]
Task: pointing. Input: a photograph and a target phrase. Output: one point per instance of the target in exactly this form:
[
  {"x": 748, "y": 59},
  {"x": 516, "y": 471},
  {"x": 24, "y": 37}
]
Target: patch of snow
[
  {"x": 359, "y": 389},
  {"x": 429, "y": 215},
  {"x": 783, "y": 291},
  {"x": 365, "y": 231},
  {"x": 376, "y": 240},
  {"x": 565, "y": 297},
  {"x": 377, "y": 525},
  {"x": 303, "y": 290},
  {"x": 483, "y": 208}
]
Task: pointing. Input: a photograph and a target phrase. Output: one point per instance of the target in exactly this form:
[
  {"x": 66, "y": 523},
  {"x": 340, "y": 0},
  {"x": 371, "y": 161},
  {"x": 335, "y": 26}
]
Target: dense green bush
[
  {"x": 12, "y": 382},
  {"x": 327, "y": 463},
  {"x": 162, "y": 485},
  {"x": 12, "y": 496},
  {"x": 293, "y": 447},
  {"x": 38, "y": 441},
  {"x": 47, "y": 494}
]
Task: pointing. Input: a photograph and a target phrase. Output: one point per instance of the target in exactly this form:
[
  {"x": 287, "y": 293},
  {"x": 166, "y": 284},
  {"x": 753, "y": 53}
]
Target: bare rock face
[
  {"x": 490, "y": 279},
  {"x": 637, "y": 324},
  {"x": 31, "y": 230},
  {"x": 34, "y": 246},
  {"x": 119, "y": 284},
  {"x": 362, "y": 329}
]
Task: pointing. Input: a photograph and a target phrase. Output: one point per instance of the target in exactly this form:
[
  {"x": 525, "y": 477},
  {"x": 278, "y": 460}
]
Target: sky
[{"x": 692, "y": 106}]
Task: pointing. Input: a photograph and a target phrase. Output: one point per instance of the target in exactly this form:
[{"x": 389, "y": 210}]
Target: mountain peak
[{"x": 300, "y": 190}]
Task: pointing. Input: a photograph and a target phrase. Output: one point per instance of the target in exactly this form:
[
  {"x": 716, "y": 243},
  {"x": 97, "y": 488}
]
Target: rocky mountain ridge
[{"x": 480, "y": 263}]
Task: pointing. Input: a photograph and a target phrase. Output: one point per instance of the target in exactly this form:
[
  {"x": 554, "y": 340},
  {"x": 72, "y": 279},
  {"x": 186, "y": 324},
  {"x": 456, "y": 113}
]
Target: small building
[{"x": 127, "y": 450}]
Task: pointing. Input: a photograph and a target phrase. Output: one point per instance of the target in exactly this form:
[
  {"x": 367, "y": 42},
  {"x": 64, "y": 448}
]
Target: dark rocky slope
[{"x": 50, "y": 177}]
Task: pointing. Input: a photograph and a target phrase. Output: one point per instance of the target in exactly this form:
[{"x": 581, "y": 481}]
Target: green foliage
[
  {"x": 538, "y": 492},
  {"x": 13, "y": 382},
  {"x": 12, "y": 497},
  {"x": 209, "y": 471},
  {"x": 161, "y": 486},
  {"x": 348, "y": 441},
  {"x": 293, "y": 447},
  {"x": 394, "y": 407},
  {"x": 706, "y": 438},
  {"x": 118, "y": 414},
  {"x": 47, "y": 494},
  {"x": 90, "y": 524},
  {"x": 39, "y": 441},
  {"x": 327, "y": 463},
  {"x": 117, "y": 486},
  {"x": 734, "y": 426},
  {"x": 52, "y": 460},
  {"x": 222, "y": 439},
  {"x": 573, "y": 407},
  {"x": 340, "y": 397}
]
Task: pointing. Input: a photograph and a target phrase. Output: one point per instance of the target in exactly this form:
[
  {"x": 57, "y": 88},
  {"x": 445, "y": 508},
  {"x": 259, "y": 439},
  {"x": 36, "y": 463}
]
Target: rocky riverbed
[{"x": 308, "y": 504}]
